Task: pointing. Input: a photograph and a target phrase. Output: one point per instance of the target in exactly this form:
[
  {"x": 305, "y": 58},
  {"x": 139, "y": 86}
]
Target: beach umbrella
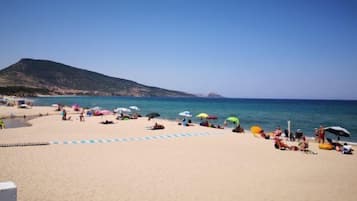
[
  {"x": 212, "y": 117},
  {"x": 105, "y": 112},
  {"x": 153, "y": 115},
  {"x": 122, "y": 109},
  {"x": 232, "y": 119},
  {"x": 134, "y": 108},
  {"x": 95, "y": 108},
  {"x": 339, "y": 131},
  {"x": 202, "y": 115},
  {"x": 185, "y": 114},
  {"x": 256, "y": 129}
]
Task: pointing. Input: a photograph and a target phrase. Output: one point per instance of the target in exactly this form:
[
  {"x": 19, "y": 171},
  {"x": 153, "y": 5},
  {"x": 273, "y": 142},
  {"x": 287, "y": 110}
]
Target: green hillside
[{"x": 57, "y": 78}]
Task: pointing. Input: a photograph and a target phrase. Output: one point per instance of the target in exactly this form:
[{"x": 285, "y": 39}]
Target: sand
[{"x": 220, "y": 166}]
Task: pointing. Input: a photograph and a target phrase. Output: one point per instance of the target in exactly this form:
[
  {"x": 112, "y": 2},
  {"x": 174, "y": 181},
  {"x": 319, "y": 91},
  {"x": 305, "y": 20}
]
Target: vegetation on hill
[{"x": 43, "y": 76}]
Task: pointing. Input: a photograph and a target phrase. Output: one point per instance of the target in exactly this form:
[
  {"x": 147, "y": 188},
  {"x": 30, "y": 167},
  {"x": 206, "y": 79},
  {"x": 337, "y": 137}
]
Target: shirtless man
[{"x": 321, "y": 133}]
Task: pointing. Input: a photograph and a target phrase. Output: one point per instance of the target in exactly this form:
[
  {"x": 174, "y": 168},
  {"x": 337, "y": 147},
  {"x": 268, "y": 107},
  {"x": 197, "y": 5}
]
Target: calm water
[{"x": 268, "y": 113}]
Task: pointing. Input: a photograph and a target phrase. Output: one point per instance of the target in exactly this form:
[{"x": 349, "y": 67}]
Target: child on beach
[{"x": 2, "y": 124}]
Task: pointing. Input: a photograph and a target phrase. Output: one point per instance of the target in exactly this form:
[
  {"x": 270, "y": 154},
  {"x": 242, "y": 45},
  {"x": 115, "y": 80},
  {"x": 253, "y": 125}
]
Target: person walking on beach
[
  {"x": 81, "y": 116},
  {"x": 321, "y": 135}
]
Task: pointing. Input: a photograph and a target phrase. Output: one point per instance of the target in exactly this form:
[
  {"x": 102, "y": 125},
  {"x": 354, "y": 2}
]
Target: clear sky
[{"x": 248, "y": 49}]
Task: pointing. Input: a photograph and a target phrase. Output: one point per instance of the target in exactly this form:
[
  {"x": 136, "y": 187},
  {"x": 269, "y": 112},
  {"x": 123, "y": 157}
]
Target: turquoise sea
[{"x": 268, "y": 113}]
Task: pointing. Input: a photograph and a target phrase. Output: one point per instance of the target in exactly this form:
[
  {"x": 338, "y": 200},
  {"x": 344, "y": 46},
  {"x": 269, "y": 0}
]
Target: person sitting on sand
[
  {"x": 336, "y": 145},
  {"x": 238, "y": 129},
  {"x": 279, "y": 144},
  {"x": 107, "y": 122},
  {"x": 264, "y": 135},
  {"x": 299, "y": 134},
  {"x": 157, "y": 126},
  {"x": 278, "y": 131},
  {"x": 347, "y": 149},
  {"x": 220, "y": 127},
  {"x": 134, "y": 116},
  {"x": 205, "y": 123},
  {"x": 64, "y": 115},
  {"x": 303, "y": 144}
]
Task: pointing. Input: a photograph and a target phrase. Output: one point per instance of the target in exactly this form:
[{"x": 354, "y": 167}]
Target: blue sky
[{"x": 248, "y": 49}]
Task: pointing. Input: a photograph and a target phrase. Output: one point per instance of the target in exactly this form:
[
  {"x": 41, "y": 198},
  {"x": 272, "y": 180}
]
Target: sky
[{"x": 242, "y": 49}]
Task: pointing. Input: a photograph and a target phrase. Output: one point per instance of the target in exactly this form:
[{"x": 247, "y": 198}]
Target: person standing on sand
[
  {"x": 316, "y": 133},
  {"x": 81, "y": 116},
  {"x": 321, "y": 134}
]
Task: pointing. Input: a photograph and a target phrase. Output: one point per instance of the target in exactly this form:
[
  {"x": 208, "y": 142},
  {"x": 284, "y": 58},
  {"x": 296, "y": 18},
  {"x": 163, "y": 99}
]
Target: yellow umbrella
[
  {"x": 202, "y": 115},
  {"x": 256, "y": 129}
]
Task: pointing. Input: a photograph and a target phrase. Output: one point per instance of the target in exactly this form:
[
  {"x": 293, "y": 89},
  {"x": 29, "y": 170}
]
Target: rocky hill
[{"x": 45, "y": 77}]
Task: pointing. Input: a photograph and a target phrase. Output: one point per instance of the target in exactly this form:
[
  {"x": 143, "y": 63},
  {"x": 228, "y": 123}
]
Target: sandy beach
[{"x": 194, "y": 163}]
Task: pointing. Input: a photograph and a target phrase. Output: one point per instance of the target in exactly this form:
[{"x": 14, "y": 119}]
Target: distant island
[
  {"x": 30, "y": 77},
  {"x": 214, "y": 95}
]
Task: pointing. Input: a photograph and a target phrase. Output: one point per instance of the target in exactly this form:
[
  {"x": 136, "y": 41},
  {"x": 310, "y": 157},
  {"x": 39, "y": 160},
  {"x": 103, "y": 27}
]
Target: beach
[{"x": 127, "y": 161}]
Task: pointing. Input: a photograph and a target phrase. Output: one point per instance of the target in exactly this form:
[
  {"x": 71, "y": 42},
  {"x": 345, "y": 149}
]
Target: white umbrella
[
  {"x": 339, "y": 131},
  {"x": 185, "y": 114},
  {"x": 122, "y": 109},
  {"x": 95, "y": 108},
  {"x": 134, "y": 108}
]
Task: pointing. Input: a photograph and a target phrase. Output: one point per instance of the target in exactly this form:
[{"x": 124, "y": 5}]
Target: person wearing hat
[{"x": 299, "y": 134}]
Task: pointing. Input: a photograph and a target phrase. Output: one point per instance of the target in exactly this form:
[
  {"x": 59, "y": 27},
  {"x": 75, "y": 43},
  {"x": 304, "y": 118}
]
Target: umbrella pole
[{"x": 289, "y": 134}]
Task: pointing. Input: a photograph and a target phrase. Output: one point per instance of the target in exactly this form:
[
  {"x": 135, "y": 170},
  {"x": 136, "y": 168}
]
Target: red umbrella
[{"x": 212, "y": 117}]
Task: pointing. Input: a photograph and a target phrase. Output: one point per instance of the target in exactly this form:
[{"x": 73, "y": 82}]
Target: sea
[{"x": 267, "y": 113}]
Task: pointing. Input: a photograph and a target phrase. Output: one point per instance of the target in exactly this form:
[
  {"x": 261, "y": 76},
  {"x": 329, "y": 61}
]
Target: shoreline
[{"x": 50, "y": 111}]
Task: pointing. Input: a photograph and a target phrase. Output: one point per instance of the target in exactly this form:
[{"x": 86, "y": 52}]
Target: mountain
[{"x": 35, "y": 77}]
